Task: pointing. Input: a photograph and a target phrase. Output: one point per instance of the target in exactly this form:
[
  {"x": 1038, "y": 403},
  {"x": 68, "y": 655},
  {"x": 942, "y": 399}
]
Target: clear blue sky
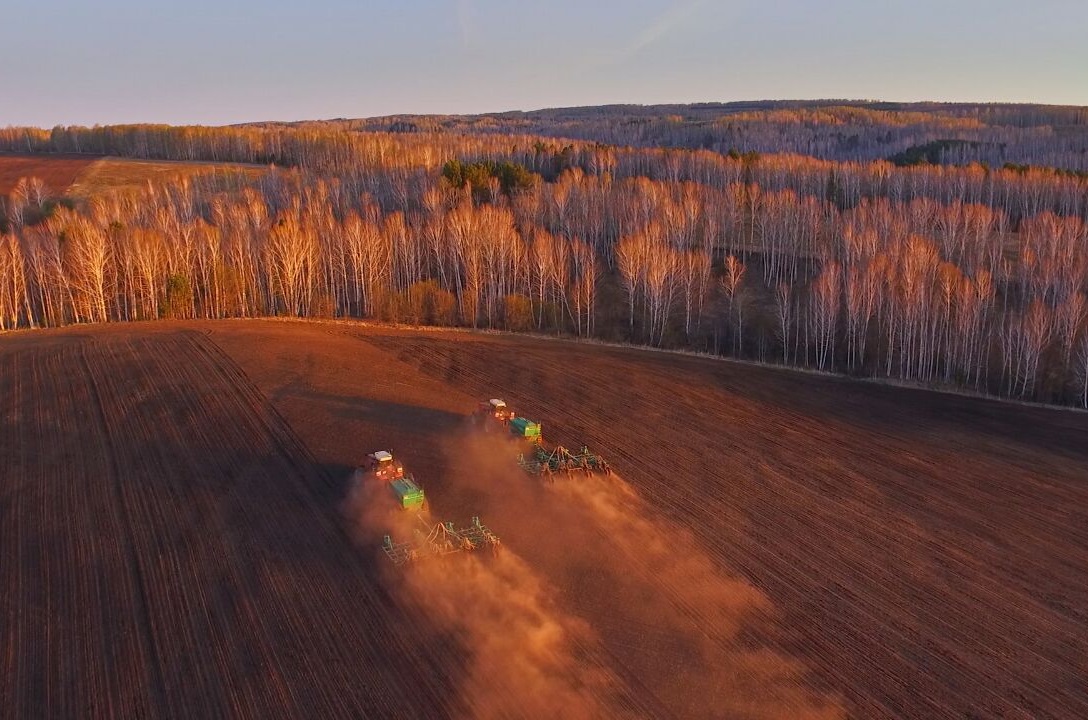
[{"x": 224, "y": 61}]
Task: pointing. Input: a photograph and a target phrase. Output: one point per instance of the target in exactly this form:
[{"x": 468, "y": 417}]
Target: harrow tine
[{"x": 444, "y": 538}]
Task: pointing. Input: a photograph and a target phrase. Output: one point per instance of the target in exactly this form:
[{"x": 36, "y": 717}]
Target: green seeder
[
  {"x": 439, "y": 540},
  {"x": 541, "y": 460}
]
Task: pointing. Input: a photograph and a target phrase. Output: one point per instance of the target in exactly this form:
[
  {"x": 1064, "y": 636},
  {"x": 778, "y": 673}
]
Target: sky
[{"x": 213, "y": 62}]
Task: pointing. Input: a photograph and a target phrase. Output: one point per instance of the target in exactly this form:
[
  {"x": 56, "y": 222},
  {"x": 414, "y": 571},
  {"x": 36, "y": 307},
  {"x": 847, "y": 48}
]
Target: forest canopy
[
  {"x": 956, "y": 271},
  {"x": 512, "y": 177}
]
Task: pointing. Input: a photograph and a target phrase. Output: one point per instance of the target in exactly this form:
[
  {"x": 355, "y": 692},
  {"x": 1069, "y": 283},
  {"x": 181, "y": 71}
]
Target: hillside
[
  {"x": 775, "y": 544},
  {"x": 840, "y": 130}
]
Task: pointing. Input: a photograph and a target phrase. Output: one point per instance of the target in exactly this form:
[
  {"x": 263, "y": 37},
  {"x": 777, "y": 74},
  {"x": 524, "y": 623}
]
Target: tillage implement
[
  {"x": 541, "y": 457},
  {"x": 440, "y": 540}
]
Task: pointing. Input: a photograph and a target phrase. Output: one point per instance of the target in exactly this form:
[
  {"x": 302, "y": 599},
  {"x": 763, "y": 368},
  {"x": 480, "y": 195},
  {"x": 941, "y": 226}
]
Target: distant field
[
  {"x": 110, "y": 173},
  {"x": 58, "y": 171},
  {"x": 82, "y": 176}
]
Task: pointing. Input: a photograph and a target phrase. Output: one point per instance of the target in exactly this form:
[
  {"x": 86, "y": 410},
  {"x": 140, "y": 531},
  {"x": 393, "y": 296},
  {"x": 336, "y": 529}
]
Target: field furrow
[
  {"x": 181, "y": 535},
  {"x": 942, "y": 571}
]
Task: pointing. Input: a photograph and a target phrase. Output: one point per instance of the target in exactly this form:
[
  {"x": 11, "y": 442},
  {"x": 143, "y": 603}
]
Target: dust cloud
[
  {"x": 524, "y": 657},
  {"x": 685, "y": 602},
  {"x": 662, "y": 609},
  {"x": 596, "y": 607}
]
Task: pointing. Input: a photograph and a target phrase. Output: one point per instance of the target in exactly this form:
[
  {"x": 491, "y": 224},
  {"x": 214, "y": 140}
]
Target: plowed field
[
  {"x": 84, "y": 176},
  {"x": 181, "y": 534},
  {"x": 56, "y": 171}
]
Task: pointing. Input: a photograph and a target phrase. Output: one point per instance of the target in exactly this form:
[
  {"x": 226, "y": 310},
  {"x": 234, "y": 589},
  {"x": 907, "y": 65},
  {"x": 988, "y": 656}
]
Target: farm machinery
[
  {"x": 409, "y": 495},
  {"x": 383, "y": 467},
  {"x": 492, "y": 413},
  {"x": 539, "y": 457},
  {"x": 440, "y": 540},
  {"x": 427, "y": 541},
  {"x": 526, "y": 430},
  {"x": 542, "y": 458}
]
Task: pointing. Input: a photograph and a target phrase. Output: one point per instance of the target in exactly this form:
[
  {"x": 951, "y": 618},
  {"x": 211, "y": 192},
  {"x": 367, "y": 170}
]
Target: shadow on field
[
  {"x": 248, "y": 531},
  {"x": 248, "y": 592},
  {"x": 388, "y": 414},
  {"x": 914, "y": 414},
  {"x": 367, "y": 417}
]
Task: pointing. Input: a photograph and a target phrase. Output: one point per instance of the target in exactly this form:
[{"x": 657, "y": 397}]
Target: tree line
[
  {"x": 1053, "y": 136},
  {"x": 389, "y": 164},
  {"x": 954, "y": 276}
]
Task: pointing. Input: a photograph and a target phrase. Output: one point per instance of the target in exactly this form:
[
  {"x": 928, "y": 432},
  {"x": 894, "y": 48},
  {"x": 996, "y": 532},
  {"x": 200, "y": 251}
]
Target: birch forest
[{"x": 951, "y": 274}]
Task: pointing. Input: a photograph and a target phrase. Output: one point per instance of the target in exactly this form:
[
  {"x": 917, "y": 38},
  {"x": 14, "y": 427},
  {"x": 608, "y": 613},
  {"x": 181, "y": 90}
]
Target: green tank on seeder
[
  {"x": 525, "y": 429},
  {"x": 408, "y": 494}
]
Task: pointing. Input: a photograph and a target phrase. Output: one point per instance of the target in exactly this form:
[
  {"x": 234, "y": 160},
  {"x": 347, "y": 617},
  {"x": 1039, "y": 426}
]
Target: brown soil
[
  {"x": 113, "y": 174},
  {"x": 181, "y": 534},
  {"x": 58, "y": 172},
  {"x": 83, "y": 176}
]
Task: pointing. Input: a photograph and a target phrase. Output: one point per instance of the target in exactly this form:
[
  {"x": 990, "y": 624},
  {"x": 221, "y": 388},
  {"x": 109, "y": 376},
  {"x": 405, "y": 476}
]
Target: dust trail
[
  {"x": 523, "y": 656},
  {"x": 669, "y": 616},
  {"x": 699, "y": 608},
  {"x": 372, "y": 513},
  {"x": 667, "y": 555}
]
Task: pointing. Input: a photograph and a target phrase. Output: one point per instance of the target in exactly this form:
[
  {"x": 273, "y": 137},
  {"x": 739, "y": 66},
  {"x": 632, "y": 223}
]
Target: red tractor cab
[
  {"x": 383, "y": 466},
  {"x": 493, "y": 411}
]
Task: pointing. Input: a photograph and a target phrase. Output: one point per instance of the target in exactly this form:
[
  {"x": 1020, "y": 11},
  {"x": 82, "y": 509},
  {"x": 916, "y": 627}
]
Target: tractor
[
  {"x": 382, "y": 465},
  {"x": 490, "y": 413}
]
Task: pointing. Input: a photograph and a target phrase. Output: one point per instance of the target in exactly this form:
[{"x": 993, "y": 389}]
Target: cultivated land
[
  {"x": 123, "y": 174},
  {"x": 58, "y": 172},
  {"x": 181, "y": 535},
  {"x": 83, "y": 176}
]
